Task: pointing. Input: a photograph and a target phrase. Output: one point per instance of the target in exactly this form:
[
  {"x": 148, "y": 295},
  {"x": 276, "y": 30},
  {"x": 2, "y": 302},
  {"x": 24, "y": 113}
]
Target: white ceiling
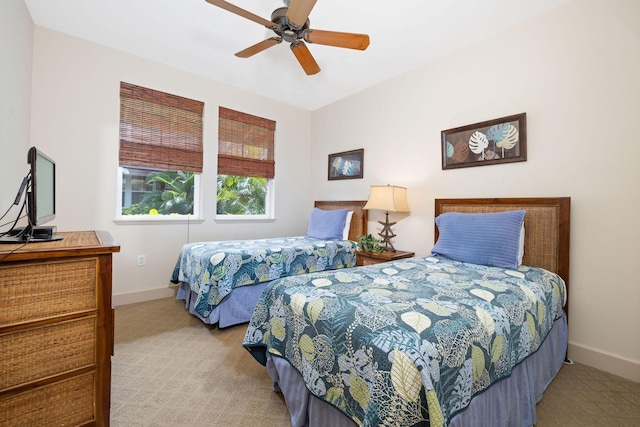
[{"x": 198, "y": 37}]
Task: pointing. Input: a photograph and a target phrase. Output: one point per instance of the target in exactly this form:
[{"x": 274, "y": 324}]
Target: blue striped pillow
[
  {"x": 325, "y": 224},
  {"x": 488, "y": 238}
]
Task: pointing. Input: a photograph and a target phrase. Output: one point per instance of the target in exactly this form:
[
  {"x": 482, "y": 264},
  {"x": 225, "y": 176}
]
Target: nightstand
[{"x": 368, "y": 258}]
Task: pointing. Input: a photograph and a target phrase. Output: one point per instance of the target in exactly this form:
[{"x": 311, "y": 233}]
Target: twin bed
[
  {"x": 221, "y": 282},
  {"x": 428, "y": 340}
]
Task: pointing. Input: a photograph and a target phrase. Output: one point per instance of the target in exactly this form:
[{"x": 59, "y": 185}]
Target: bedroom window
[
  {"x": 161, "y": 153},
  {"x": 246, "y": 166}
]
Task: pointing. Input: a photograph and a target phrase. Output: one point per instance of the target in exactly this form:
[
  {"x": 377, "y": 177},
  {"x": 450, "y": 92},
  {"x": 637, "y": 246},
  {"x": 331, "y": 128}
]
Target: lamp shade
[{"x": 388, "y": 198}]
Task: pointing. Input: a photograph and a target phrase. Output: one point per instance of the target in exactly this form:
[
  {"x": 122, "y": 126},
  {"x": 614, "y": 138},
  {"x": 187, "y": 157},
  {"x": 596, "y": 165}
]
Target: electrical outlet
[{"x": 141, "y": 260}]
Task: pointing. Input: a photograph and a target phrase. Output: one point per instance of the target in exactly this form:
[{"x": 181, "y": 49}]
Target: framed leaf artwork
[
  {"x": 502, "y": 140},
  {"x": 346, "y": 165}
]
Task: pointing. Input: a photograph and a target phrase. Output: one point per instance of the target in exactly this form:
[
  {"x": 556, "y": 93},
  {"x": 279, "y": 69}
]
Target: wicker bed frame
[
  {"x": 359, "y": 219},
  {"x": 547, "y": 228}
]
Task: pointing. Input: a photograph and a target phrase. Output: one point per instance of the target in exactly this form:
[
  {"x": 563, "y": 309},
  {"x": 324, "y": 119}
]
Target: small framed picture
[
  {"x": 346, "y": 165},
  {"x": 502, "y": 140}
]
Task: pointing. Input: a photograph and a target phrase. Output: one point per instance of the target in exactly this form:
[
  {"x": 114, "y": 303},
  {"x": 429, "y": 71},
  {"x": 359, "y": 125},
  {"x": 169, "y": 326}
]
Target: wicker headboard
[
  {"x": 546, "y": 223},
  {"x": 359, "y": 219}
]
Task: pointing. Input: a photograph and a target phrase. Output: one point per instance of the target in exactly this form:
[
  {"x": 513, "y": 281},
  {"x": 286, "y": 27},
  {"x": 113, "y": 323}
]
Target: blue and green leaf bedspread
[
  {"x": 213, "y": 269},
  {"x": 408, "y": 342}
]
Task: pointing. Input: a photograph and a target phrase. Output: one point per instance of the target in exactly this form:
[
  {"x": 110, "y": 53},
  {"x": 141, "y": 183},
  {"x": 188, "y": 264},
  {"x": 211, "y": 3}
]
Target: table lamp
[{"x": 388, "y": 198}]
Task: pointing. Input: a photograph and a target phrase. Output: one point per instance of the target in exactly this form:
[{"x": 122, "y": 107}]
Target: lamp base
[{"x": 386, "y": 234}]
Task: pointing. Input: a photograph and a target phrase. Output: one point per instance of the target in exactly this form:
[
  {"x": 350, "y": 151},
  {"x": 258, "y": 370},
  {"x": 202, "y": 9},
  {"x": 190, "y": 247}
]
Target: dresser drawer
[
  {"x": 34, "y": 291},
  {"x": 63, "y": 403},
  {"x": 42, "y": 352}
]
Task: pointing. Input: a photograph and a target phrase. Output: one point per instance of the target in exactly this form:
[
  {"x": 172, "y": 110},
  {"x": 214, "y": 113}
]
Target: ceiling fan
[{"x": 291, "y": 24}]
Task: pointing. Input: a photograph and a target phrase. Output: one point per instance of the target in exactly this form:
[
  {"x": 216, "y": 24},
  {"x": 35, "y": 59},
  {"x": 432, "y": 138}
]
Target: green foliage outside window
[
  {"x": 176, "y": 196},
  {"x": 173, "y": 193},
  {"x": 241, "y": 195}
]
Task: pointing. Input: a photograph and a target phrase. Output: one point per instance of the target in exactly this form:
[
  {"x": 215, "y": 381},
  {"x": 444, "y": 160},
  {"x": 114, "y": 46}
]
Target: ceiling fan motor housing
[{"x": 285, "y": 30}]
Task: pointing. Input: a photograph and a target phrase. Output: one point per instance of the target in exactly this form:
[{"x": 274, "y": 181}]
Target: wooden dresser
[{"x": 56, "y": 331}]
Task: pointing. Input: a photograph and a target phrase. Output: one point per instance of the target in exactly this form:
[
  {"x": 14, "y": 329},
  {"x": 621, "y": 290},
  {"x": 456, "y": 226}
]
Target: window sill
[
  {"x": 157, "y": 219},
  {"x": 243, "y": 218}
]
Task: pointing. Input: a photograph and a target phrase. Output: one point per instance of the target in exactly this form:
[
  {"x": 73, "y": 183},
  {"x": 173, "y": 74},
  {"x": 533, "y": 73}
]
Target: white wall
[
  {"x": 574, "y": 71},
  {"x": 75, "y": 116},
  {"x": 16, "y": 40}
]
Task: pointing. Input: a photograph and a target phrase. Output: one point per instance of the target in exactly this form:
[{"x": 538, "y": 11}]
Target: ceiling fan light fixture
[{"x": 290, "y": 36}]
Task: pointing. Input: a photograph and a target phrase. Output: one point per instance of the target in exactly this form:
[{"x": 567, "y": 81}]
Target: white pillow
[
  {"x": 347, "y": 226},
  {"x": 521, "y": 245}
]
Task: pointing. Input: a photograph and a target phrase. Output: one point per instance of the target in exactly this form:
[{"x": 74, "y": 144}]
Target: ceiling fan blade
[
  {"x": 241, "y": 12},
  {"x": 299, "y": 11},
  {"x": 337, "y": 39},
  {"x": 308, "y": 63},
  {"x": 259, "y": 47}
]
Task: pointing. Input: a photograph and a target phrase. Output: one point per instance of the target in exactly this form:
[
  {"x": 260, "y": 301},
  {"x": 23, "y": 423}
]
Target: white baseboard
[
  {"x": 141, "y": 296},
  {"x": 607, "y": 362}
]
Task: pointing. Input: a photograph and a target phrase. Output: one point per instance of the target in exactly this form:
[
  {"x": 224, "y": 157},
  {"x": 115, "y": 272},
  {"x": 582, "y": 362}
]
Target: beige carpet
[{"x": 169, "y": 369}]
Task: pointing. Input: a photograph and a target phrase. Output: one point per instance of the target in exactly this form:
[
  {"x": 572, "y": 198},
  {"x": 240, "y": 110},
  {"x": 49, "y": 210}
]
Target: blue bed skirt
[
  {"x": 508, "y": 403},
  {"x": 236, "y": 308}
]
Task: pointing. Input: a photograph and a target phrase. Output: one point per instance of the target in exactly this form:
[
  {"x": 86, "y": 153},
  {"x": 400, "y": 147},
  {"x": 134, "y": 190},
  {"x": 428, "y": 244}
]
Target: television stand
[{"x": 38, "y": 234}]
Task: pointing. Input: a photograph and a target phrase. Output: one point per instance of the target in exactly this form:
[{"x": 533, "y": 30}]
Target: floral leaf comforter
[
  {"x": 407, "y": 342},
  {"x": 214, "y": 269}
]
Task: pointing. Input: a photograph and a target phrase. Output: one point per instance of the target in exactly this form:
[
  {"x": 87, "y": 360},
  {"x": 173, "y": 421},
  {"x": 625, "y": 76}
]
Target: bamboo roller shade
[
  {"x": 159, "y": 130},
  {"x": 245, "y": 144}
]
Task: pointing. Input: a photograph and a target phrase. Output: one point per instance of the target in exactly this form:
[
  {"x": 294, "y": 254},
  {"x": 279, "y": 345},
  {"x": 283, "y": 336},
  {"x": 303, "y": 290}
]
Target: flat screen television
[{"x": 41, "y": 201}]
